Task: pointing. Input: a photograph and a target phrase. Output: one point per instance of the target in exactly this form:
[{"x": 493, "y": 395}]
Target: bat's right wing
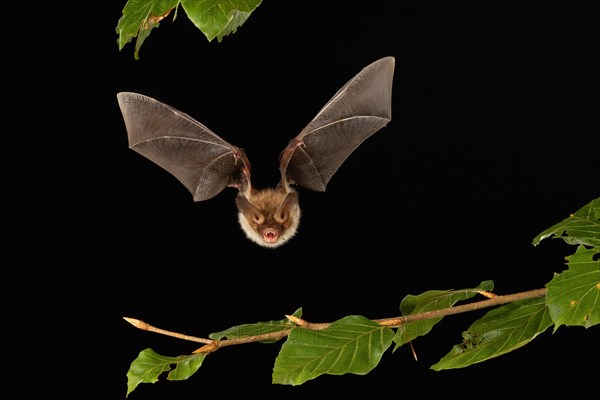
[
  {"x": 203, "y": 162},
  {"x": 359, "y": 109}
]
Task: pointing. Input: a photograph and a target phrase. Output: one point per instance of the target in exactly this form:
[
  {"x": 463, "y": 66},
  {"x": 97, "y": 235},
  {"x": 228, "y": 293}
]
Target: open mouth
[{"x": 270, "y": 235}]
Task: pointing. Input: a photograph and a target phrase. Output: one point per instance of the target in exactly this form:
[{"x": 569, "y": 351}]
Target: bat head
[{"x": 269, "y": 217}]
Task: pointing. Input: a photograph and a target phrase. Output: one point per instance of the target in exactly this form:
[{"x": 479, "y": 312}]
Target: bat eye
[
  {"x": 258, "y": 218},
  {"x": 281, "y": 217}
]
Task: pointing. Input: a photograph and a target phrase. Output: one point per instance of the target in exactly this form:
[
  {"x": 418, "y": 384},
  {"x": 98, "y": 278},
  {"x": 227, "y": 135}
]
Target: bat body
[{"x": 206, "y": 164}]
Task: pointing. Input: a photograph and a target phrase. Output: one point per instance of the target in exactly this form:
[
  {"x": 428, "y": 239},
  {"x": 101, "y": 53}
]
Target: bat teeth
[{"x": 270, "y": 236}]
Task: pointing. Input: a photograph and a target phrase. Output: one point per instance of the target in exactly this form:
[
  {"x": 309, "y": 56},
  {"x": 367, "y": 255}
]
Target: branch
[
  {"x": 213, "y": 345},
  {"x": 493, "y": 301},
  {"x": 147, "y": 327}
]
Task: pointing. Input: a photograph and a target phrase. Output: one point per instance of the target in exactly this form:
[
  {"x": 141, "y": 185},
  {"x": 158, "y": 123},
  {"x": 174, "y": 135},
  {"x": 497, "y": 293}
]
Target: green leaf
[
  {"x": 139, "y": 18},
  {"x": 573, "y": 296},
  {"x": 498, "y": 332},
  {"x": 215, "y": 18},
  {"x": 430, "y": 301},
  {"x": 147, "y": 367},
  {"x": 218, "y": 18},
  {"x": 582, "y": 227},
  {"x": 259, "y": 328},
  {"x": 353, "y": 344}
]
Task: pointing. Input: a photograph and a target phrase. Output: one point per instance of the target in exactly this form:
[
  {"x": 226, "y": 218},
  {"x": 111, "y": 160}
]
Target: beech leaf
[
  {"x": 148, "y": 366},
  {"x": 498, "y": 332},
  {"x": 573, "y": 296},
  {"x": 430, "y": 301},
  {"x": 259, "y": 328},
  {"x": 218, "y": 18},
  {"x": 581, "y": 227},
  {"x": 139, "y": 18},
  {"x": 353, "y": 344}
]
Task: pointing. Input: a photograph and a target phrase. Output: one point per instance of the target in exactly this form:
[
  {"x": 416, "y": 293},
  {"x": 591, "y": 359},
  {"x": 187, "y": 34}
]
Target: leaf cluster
[{"x": 214, "y": 18}]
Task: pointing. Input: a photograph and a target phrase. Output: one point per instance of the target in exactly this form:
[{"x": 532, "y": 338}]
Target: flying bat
[{"x": 206, "y": 164}]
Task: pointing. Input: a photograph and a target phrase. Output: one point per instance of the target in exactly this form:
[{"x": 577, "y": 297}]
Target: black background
[{"x": 493, "y": 138}]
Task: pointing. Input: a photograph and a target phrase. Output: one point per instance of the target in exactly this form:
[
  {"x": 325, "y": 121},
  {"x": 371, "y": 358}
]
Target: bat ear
[
  {"x": 249, "y": 211},
  {"x": 289, "y": 205}
]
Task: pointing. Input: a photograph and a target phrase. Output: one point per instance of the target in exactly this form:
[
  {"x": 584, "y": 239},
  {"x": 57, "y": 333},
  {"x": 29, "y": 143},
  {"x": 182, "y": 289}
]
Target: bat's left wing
[
  {"x": 359, "y": 109},
  {"x": 202, "y": 161}
]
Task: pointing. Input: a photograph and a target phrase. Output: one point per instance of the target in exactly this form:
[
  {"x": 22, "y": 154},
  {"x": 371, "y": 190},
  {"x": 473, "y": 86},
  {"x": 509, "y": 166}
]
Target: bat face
[
  {"x": 206, "y": 164},
  {"x": 269, "y": 217}
]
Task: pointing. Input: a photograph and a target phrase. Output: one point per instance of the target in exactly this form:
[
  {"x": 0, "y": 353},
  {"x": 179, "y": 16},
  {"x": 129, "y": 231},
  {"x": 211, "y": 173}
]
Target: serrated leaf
[
  {"x": 498, "y": 332},
  {"x": 430, "y": 301},
  {"x": 139, "y": 18},
  {"x": 353, "y": 344},
  {"x": 582, "y": 227},
  {"x": 259, "y": 328},
  {"x": 573, "y": 296},
  {"x": 148, "y": 366},
  {"x": 219, "y": 18}
]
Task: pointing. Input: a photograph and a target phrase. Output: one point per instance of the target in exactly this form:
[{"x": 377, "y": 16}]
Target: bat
[{"x": 206, "y": 164}]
